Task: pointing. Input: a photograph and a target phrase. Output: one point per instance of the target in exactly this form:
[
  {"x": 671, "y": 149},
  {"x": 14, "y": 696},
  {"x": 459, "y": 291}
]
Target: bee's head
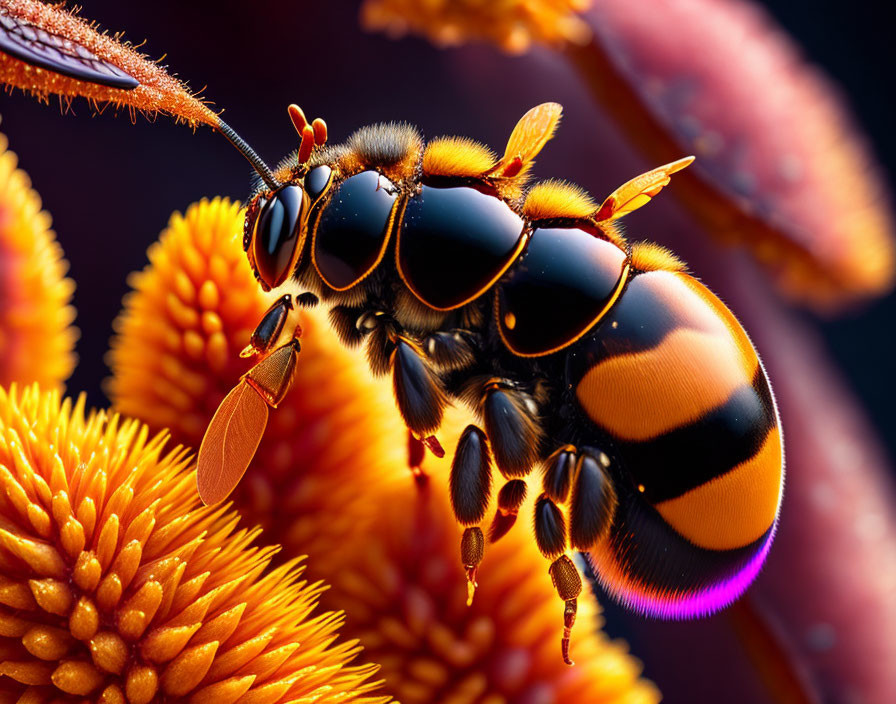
[
  {"x": 275, "y": 233},
  {"x": 277, "y": 219},
  {"x": 277, "y": 225}
]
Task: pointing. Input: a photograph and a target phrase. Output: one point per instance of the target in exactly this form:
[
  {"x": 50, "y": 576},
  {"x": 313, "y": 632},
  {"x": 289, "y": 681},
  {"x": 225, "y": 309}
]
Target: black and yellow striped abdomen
[{"x": 672, "y": 379}]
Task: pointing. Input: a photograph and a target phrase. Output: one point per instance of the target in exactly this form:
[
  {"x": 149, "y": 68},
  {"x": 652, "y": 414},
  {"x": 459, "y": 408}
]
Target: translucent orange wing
[
  {"x": 232, "y": 437},
  {"x": 639, "y": 191},
  {"x": 230, "y": 442},
  {"x": 528, "y": 138}
]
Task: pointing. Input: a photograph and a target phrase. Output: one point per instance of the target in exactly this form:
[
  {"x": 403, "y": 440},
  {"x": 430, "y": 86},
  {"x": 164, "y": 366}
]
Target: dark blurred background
[{"x": 111, "y": 185}]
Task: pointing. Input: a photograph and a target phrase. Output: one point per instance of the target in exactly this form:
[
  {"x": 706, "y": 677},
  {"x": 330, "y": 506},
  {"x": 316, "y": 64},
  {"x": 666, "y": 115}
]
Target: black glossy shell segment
[
  {"x": 37, "y": 47},
  {"x": 317, "y": 180},
  {"x": 455, "y": 242},
  {"x": 277, "y": 235},
  {"x": 353, "y": 229},
  {"x": 558, "y": 290}
]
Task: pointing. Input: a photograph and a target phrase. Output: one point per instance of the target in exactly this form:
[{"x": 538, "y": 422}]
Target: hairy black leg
[
  {"x": 382, "y": 333},
  {"x": 344, "y": 320},
  {"x": 593, "y": 500},
  {"x": 450, "y": 350},
  {"x": 550, "y": 528},
  {"x": 511, "y": 423},
  {"x": 418, "y": 389},
  {"x": 551, "y": 537},
  {"x": 558, "y": 473},
  {"x": 578, "y": 479},
  {"x": 510, "y": 498},
  {"x": 470, "y": 487}
]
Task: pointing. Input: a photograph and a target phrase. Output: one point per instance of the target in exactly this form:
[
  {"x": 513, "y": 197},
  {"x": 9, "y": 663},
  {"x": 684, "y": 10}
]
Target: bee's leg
[
  {"x": 568, "y": 583},
  {"x": 592, "y": 502},
  {"x": 559, "y": 470},
  {"x": 551, "y": 537},
  {"x": 511, "y": 422},
  {"x": 345, "y": 320},
  {"x": 510, "y": 498},
  {"x": 579, "y": 479},
  {"x": 450, "y": 350},
  {"x": 268, "y": 330},
  {"x": 510, "y": 416},
  {"x": 470, "y": 489},
  {"x": 418, "y": 390},
  {"x": 417, "y": 386}
]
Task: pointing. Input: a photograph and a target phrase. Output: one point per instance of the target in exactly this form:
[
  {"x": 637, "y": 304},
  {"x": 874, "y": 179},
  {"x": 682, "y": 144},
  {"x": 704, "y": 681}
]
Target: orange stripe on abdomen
[
  {"x": 642, "y": 395},
  {"x": 734, "y": 509}
]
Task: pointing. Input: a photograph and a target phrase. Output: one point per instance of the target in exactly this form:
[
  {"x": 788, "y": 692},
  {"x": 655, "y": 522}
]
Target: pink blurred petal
[{"x": 780, "y": 166}]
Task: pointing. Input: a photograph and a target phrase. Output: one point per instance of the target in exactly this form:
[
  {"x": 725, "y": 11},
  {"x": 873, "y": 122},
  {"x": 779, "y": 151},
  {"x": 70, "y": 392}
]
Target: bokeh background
[{"x": 111, "y": 186}]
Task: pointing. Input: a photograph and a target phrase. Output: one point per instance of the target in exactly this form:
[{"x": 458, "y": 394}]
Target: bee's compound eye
[{"x": 278, "y": 233}]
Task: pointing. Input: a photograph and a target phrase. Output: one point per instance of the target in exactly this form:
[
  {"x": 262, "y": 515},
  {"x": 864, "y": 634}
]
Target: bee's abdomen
[
  {"x": 455, "y": 242},
  {"x": 671, "y": 376}
]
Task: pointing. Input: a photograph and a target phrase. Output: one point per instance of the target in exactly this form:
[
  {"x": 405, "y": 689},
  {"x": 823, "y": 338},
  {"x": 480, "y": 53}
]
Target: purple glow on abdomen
[{"x": 690, "y": 605}]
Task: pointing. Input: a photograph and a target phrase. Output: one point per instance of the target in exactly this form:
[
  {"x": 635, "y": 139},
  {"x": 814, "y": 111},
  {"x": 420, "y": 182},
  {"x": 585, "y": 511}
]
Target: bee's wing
[
  {"x": 531, "y": 133},
  {"x": 639, "y": 191},
  {"x": 230, "y": 442}
]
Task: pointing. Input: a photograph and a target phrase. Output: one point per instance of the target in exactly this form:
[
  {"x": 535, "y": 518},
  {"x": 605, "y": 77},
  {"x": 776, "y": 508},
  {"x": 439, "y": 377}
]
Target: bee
[{"x": 599, "y": 361}]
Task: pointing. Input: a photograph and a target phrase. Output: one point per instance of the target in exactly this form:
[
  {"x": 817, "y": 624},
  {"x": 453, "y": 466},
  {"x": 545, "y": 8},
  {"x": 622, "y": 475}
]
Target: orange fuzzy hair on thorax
[
  {"x": 457, "y": 156},
  {"x": 649, "y": 256},
  {"x": 555, "y": 199}
]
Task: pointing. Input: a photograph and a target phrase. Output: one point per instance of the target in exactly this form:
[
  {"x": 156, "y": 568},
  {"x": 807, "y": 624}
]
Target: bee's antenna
[{"x": 263, "y": 169}]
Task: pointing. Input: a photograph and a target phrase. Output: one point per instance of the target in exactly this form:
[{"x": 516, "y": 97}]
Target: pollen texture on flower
[
  {"x": 117, "y": 587},
  {"x": 513, "y": 25},
  {"x": 36, "y": 336},
  {"x": 331, "y": 480}
]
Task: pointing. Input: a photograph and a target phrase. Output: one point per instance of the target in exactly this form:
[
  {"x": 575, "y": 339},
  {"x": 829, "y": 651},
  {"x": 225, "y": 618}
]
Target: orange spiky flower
[
  {"x": 513, "y": 25},
  {"x": 37, "y": 339},
  {"x": 331, "y": 480},
  {"x": 176, "y": 355},
  {"x": 41, "y": 39},
  {"x": 116, "y": 585},
  {"x": 718, "y": 79}
]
